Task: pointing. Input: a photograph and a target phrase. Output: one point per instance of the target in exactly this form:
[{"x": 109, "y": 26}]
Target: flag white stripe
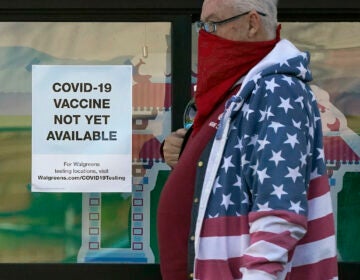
[
  {"x": 255, "y": 274},
  {"x": 319, "y": 207},
  {"x": 223, "y": 248},
  {"x": 309, "y": 253},
  {"x": 275, "y": 224},
  {"x": 270, "y": 250}
]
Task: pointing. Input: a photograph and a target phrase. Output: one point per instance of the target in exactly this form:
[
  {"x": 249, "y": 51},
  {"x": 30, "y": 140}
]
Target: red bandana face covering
[{"x": 221, "y": 63}]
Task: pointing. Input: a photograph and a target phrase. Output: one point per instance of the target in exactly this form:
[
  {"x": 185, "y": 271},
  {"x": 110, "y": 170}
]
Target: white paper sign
[{"x": 81, "y": 128}]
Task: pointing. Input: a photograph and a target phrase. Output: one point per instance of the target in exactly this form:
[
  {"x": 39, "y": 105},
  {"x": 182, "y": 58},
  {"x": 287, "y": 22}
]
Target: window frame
[{"x": 181, "y": 13}]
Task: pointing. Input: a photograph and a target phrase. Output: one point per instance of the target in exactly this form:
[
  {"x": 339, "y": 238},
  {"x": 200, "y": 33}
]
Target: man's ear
[{"x": 254, "y": 24}]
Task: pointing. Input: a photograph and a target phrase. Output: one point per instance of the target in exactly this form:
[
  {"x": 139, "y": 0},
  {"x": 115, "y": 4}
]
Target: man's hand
[{"x": 172, "y": 146}]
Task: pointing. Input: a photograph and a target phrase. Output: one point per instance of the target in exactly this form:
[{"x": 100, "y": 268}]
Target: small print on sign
[{"x": 81, "y": 128}]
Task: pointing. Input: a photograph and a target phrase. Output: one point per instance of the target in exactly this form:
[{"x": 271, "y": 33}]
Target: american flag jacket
[{"x": 265, "y": 209}]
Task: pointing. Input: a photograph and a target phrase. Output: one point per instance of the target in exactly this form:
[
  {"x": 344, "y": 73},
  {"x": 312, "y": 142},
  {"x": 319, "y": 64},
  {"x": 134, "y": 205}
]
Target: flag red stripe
[
  {"x": 230, "y": 269},
  {"x": 318, "y": 187},
  {"x": 225, "y": 226},
  {"x": 319, "y": 229},
  {"x": 325, "y": 269}
]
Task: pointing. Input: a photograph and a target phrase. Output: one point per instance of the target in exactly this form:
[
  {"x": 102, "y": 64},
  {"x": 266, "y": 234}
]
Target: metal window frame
[{"x": 181, "y": 13}]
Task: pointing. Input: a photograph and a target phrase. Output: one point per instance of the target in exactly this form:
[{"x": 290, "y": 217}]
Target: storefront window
[{"x": 89, "y": 227}]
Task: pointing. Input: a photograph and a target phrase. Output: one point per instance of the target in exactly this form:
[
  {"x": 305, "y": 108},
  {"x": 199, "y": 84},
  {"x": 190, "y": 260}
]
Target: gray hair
[{"x": 269, "y": 7}]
